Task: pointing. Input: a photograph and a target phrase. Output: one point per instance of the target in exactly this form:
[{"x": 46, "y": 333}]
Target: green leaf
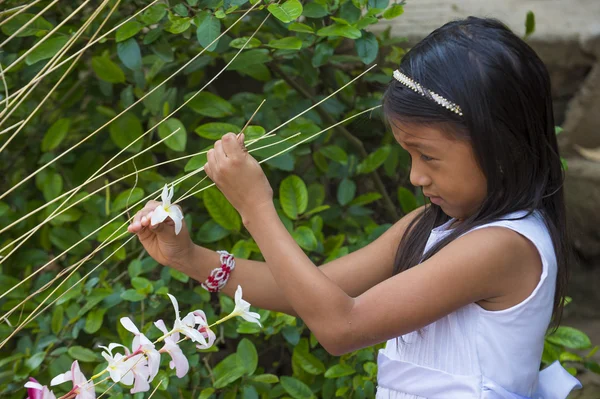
[
  {"x": 177, "y": 141},
  {"x": 82, "y": 354},
  {"x": 206, "y": 393},
  {"x": 335, "y": 153},
  {"x": 365, "y": 199},
  {"x": 130, "y": 54},
  {"x": 315, "y": 10},
  {"x": 287, "y": 43},
  {"x": 154, "y": 14},
  {"x": 227, "y": 371},
  {"x": 46, "y": 50},
  {"x": 529, "y": 23},
  {"x": 378, "y": 4},
  {"x": 309, "y": 363},
  {"x": 266, "y": 378},
  {"x": 93, "y": 320},
  {"x": 127, "y": 30},
  {"x": 394, "y": 11},
  {"x": 177, "y": 25},
  {"x": 339, "y": 30},
  {"x": 339, "y": 370},
  {"x": 346, "y": 191},
  {"x": 179, "y": 276},
  {"x": 570, "y": 337},
  {"x": 37, "y": 26},
  {"x": 298, "y": 27},
  {"x": 209, "y": 104},
  {"x": 209, "y": 28},
  {"x": 247, "y": 355},
  {"x": 55, "y": 135},
  {"x": 216, "y": 130},
  {"x": 287, "y": 12},
  {"x": 249, "y": 58},
  {"x": 57, "y": 319},
  {"x": 211, "y": 231},
  {"x": 53, "y": 185},
  {"x": 322, "y": 54},
  {"x": 107, "y": 70},
  {"x": 240, "y": 41},
  {"x": 121, "y": 201},
  {"x": 108, "y": 230},
  {"x": 143, "y": 285},
  {"x": 293, "y": 196},
  {"x": 407, "y": 200},
  {"x": 221, "y": 210},
  {"x": 126, "y": 129},
  {"x": 35, "y": 361},
  {"x": 367, "y": 47},
  {"x": 305, "y": 238},
  {"x": 374, "y": 160},
  {"x": 132, "y": 295},
  {"x": 296, "y": 388}
]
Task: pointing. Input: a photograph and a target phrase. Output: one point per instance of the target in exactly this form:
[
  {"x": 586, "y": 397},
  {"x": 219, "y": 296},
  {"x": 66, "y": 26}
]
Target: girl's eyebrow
[{"x": 419, "y": 145}]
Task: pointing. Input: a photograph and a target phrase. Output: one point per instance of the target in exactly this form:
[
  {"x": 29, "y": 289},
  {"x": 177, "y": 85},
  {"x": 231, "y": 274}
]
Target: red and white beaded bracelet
[{"x": 218, "y": 277}]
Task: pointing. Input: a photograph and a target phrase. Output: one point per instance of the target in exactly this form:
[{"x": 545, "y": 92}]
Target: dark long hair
[{"x": 503, "y": 89}]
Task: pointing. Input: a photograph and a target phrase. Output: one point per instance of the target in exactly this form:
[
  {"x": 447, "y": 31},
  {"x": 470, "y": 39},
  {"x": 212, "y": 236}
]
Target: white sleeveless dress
[{"x": 475, "y": 353}]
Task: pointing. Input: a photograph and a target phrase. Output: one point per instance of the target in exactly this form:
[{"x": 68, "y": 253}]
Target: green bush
[{"x": 332, "y": 192}]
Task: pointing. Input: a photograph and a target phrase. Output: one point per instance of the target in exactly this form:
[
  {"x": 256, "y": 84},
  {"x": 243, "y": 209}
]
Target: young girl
[{"x": 463, "y": 289}]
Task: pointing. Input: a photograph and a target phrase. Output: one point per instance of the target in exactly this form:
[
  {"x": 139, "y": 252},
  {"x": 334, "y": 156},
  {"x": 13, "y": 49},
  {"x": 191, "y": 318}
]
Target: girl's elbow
[{"x": 336, "y": 343}]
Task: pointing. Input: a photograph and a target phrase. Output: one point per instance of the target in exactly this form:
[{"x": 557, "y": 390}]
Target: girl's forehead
[{"x": 420, "y": 135}]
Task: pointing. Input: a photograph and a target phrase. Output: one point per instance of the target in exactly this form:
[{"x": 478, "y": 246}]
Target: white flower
[
  {"x": 165, "y": 210},
  {"x": 119, "y": 368},
  {"x": 142, "y": 344},
  {"x": 187, "y": 325},
  {"x": 179, "y": 362},
  {"x": 81, "y": 387},
  {"x": 242, "y": 308}
]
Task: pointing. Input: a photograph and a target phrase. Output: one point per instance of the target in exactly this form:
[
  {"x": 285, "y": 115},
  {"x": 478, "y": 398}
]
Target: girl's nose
[{"x": 418, "y": 178}]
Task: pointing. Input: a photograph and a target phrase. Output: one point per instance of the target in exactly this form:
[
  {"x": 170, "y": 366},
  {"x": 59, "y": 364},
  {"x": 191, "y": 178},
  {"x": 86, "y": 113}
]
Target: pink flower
[
  {"x": 179, "y": 362},
  {"x": 81, "y": 387},
  {"x": 141, "y": 373},
  {"x": 186, "y": 326},
  {"x": 35, "y": 390},
  {"x": 142, "y": 344},
  {"x": 206, "y": 332}
]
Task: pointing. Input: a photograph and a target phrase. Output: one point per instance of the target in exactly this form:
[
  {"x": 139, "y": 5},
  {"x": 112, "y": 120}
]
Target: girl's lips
[{"x": 436, "y": 200}]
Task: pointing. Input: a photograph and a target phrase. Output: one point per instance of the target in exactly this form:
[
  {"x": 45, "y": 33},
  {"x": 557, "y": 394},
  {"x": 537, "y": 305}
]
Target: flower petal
[
  {"x": 161, "y": 326},
  {"x": 141, "y": 385},
  {"x": 177, "y": 217},
  {"x": 153, "y": 363},
  {"x": 158, "y": 215},
  {"x": 59, "y": 379},
  {"x": 238, "y": 294},
  {"x": 175, "y": 305},
  {"x": 165, "y": 195},
  {"x": 194, "y": 334},
  {"x": 129, "y": 325},
  {"x": 252, "y": 317}
]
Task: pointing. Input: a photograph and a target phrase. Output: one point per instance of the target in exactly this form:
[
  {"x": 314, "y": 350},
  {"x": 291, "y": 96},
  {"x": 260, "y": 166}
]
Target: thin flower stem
[
  {"x": 25, "y": 25},
  {"x": 156, "y": 388},
  {"x": 33, "y": 315},
  {"x": 39, "y": 226},
  {"x": 5, "y": 86},
  {"x": 46, "y": 36},
  {"x": 45, "y": 286},
  {"x": 72, "y": 40},
  {"x": 96, "y": 13},
  {"x": 90, "y": 44},
  {"x": 8, "y": 129},
  {"x": 22, "y": 8},
  {"x": 125, "y": 110},
  {"x": 252, "y": 117},
  {"x": 75, "y": 189}
]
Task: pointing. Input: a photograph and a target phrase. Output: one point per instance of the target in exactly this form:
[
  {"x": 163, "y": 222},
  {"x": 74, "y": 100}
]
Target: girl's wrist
[{"x": 258, "y": 213}]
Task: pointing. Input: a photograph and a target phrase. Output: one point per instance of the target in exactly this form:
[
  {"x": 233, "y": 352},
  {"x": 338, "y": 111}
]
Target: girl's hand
[
  {"x": 238, "y": 175},
  {"x": 160, "y": 240}
]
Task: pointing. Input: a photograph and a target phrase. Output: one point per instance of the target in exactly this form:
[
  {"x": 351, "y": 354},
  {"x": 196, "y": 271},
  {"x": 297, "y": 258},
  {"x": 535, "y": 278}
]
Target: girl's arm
[
  {"x": 490, "y": 263},
  {"x": 353, "y": 273}
]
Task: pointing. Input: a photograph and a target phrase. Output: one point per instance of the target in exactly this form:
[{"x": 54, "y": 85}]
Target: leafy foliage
[{"x": 333, "y": 204}]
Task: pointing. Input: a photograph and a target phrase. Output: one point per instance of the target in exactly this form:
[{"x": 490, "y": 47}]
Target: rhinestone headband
[{"x": 411, "y": 84}]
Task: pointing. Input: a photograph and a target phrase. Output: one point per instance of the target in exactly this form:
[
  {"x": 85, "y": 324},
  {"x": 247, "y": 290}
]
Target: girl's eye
[{"x": 426, "y": 158}]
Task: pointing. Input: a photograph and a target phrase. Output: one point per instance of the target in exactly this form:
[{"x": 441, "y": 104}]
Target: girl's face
[{"x": 445, "y": 168}]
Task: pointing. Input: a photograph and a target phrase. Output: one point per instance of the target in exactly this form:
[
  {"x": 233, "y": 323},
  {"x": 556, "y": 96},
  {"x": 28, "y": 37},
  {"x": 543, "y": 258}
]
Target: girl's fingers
[{"x": 221, "y": 154}]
